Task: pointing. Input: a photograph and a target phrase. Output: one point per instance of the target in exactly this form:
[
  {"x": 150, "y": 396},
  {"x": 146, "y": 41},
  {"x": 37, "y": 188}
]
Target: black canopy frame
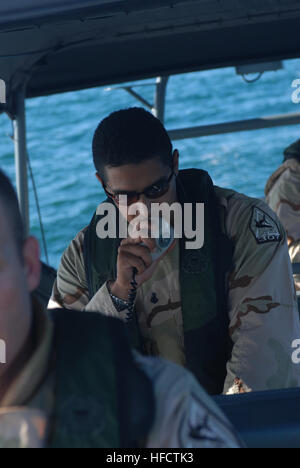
[{"x": 56, "y": 46}]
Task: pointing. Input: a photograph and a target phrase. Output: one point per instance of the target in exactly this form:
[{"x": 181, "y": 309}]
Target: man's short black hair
[
  {"x": 130, "y": 136},
  {"x": 9, "y": 200}
]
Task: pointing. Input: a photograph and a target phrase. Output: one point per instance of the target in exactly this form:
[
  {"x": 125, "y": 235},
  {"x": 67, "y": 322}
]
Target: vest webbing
[
  {"x": 102, "y": 399},
  {"x": 202, "y": 280}
]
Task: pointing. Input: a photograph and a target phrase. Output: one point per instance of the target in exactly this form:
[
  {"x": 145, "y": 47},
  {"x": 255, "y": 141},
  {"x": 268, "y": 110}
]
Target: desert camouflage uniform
[
  {"x": 185, "y": 415},
  {"x": 262, "y": 306},
  {"x": 283, "y": 196}
]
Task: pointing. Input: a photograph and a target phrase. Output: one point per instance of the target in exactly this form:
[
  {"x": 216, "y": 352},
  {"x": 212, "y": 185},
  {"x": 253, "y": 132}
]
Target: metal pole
[
  {"x": 238, "y": 126},
  {"x": 138, "y": 97},
  {"x": 160, "y": 98},
  {"x": 21, "y": 156}
]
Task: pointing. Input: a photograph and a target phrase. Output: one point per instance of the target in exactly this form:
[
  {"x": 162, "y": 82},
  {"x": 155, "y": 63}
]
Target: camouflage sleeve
[
  {"x": 186, "y": 417},
  {"x": 284, "y": 199},
  {"x": 70, "y": 289},
  {"x": 263, "y": 311},
  {"x": 294, "y": 251}
]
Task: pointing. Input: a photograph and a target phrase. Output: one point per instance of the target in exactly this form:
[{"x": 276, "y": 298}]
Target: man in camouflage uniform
[
  {"x": 183, "y": 417},
  {"x": 283, "y": 196},
  {"x": 261, "y": 301}
]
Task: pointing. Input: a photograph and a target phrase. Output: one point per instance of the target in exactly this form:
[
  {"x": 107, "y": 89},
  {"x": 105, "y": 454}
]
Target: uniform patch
[
  {"x": 154, "y": 299},
  {"x": 263, "y": 227},
  {"x": 203, "y": 427}
]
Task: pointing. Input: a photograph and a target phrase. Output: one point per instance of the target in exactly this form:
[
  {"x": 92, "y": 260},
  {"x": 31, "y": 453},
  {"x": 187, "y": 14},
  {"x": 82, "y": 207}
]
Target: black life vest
[{"x": 102, "y": 398}]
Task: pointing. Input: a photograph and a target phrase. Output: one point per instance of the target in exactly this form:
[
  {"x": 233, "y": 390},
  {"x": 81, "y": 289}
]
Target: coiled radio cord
[{"x": 132, "y": 296}]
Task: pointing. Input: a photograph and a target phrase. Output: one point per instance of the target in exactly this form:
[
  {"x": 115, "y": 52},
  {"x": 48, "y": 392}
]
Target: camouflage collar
[{"x": 32, "y": 374}]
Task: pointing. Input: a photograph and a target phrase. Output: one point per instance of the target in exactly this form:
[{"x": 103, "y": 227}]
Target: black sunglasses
[{"x": 157, "y": 190}]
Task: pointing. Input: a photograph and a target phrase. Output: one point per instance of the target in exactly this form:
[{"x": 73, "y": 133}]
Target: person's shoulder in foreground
[
  {"x": 79, "y": 386},
  {"x": 182, "y": 404},
  {"x": 93, "y": 393}
]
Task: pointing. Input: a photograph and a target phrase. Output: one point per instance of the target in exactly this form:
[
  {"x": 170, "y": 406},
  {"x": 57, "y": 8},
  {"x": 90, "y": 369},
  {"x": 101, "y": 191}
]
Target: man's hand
[{"x": 134, "y": 255}]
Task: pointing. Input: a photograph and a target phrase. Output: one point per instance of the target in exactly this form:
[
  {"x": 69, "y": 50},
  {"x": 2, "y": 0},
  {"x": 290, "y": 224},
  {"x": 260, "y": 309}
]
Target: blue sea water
[{"x": 61, "y": 127}]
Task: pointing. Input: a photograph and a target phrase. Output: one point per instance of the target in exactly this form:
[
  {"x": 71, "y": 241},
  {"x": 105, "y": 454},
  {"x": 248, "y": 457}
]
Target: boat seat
[
  {"x": 267, "y": 419},
  {"x": 296, "y": 268}
]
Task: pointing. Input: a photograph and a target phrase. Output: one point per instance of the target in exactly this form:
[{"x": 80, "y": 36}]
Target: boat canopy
[{"x": 56, "y": 46}]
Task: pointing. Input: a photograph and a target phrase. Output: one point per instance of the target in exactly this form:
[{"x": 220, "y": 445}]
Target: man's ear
[
  {"x": 32, "y": 263},
  {"x": 176, "y": 161},
  {"x": 100, "y": 179}
]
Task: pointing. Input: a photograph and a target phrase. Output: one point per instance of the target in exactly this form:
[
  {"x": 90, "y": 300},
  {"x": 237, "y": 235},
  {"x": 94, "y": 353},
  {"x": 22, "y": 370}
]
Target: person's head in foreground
[
  {"x": 61, "y": 386},
  {"x": 19, "y": 277}
]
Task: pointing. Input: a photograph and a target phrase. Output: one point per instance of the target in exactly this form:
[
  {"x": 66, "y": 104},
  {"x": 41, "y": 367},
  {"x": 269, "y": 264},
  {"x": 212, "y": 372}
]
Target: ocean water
[{"x": 61, "y": 127}]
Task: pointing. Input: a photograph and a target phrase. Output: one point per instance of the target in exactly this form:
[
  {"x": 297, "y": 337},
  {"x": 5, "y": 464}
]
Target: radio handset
[
  {"x": 164, "y": 243},
  {"x": 165, "y": 240}
]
